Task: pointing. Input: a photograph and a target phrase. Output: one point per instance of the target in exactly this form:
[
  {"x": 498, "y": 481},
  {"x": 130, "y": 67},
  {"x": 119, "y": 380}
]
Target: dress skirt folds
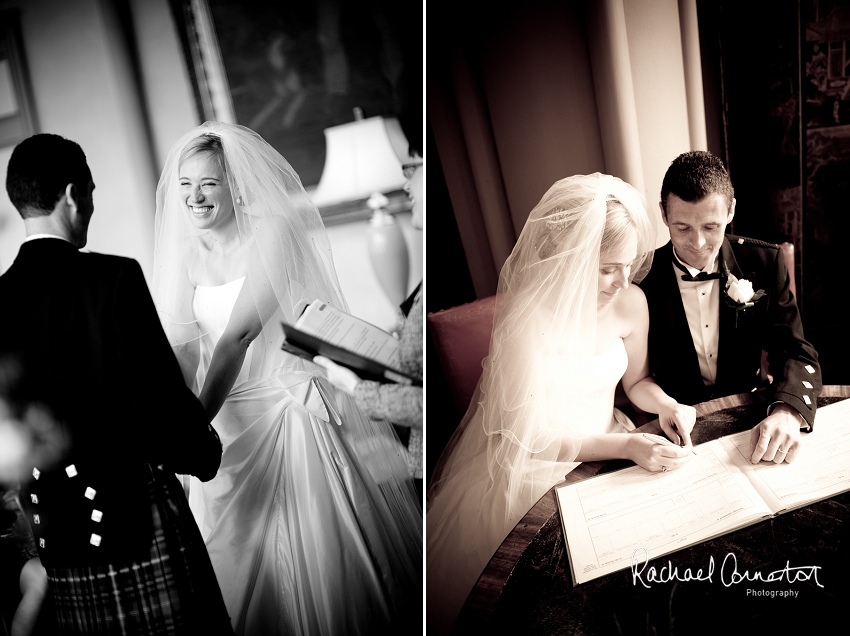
[
  {"x": 171, "y": 592},
  {"x": 311, "y": 523},
  {"x": 299, "y": 531}
]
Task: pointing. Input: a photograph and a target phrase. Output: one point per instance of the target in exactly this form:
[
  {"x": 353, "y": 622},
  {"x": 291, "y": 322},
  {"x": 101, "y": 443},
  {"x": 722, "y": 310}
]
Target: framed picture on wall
[
  {"x": 289, "y": 70},
  {"x": 17, "y": 115}
]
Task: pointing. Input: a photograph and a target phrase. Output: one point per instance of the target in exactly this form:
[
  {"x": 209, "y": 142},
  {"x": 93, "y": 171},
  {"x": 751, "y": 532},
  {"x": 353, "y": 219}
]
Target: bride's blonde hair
[
  {"x": 206, "y": 143},
  {"x": 620, "y": 225}
]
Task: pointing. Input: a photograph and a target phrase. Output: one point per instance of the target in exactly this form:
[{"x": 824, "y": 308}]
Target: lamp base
[{"x": 389, "y": 255}]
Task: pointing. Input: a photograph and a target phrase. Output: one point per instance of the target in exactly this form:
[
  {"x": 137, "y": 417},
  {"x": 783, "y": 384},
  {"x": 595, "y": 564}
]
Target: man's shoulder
[
  {"x": 111, "y": 262},
  {"x": 745, "y": 242},
  {"x": 101, "y": 265},
  {"x": 114, "y": 259},
  {"x": 660, "y": 257}
]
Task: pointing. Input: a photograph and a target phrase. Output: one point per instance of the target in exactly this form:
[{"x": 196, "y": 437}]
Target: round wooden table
[{"x": 527, "y": 586}]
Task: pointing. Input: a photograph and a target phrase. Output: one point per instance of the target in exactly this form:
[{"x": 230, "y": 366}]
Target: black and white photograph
[{"x": 211, "y": 343}]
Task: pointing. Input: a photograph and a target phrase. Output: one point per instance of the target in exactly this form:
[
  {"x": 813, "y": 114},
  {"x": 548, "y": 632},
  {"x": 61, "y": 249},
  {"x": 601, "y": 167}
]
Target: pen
[
  {"x": 676, "y": 428},
  {"x": 662, "y": 440}
]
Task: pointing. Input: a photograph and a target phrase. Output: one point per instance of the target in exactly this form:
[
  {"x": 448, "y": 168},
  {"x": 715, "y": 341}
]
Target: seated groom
[
  {"x": 716, "y": 301},
  {"x": 83, "y": 345}
]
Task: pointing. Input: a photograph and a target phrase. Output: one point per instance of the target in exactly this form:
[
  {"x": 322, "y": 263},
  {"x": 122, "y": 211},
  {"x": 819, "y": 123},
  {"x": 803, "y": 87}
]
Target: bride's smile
[
  {"x": 201, "y": 210},
  {"x": 204, "y": 188}
]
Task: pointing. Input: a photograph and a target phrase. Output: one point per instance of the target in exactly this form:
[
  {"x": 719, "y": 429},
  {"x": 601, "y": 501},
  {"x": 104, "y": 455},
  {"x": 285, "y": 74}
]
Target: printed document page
[
  {"x": 611, "y": 519},
  {"x": 820, "y": 470},
  {"x": 348, "y": 332}
]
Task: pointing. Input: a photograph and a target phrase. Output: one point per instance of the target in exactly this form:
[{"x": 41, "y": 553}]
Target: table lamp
[{"x": 363, "y": 161}]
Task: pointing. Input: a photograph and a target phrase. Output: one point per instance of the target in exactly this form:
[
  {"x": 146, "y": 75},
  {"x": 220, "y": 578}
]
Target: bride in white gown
[
  {"x": 568, "y": 327},
  {"x": 312, "y": 524}
]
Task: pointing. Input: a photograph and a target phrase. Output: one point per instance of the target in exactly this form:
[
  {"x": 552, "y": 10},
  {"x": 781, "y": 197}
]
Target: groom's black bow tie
[{"x": 699, "y": 277}]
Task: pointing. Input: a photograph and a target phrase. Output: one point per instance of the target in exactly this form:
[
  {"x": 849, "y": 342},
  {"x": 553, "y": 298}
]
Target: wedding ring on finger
[
  {"x": 664, "y": 469},
  {"x": 779, "y": 450}
]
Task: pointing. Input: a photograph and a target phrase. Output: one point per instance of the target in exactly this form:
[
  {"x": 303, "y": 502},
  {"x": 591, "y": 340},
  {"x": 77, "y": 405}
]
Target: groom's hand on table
[{"x": 777, "y": 437}]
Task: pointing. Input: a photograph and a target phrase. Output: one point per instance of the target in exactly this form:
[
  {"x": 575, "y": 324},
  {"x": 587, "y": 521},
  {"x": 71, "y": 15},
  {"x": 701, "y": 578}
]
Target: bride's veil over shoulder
[
  {"x": 290, "y": 261},
  {"x": 546, "y": 313}
]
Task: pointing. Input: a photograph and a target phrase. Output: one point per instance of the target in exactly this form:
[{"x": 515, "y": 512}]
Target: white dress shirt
[
  {"x": 32, "y": 237},
  {"x": 701, "y": 300}
]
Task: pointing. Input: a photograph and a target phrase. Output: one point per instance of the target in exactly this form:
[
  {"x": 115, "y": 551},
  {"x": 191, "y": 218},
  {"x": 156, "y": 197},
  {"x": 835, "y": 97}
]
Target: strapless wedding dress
[
  {"x": 298, "y": 530},
  {"x": 466, "y": 521}
]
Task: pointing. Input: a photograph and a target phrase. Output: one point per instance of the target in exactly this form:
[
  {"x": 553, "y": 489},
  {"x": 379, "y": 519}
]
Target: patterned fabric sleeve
[
  {"x": 398, "y": 404},
  {"x": 16, "y": 530},
  {"x": 401, "y": 405}
]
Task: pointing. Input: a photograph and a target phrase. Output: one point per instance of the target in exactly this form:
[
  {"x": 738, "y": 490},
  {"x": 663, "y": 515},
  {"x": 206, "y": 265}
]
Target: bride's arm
[
  {"x": 256, "y": 303},
  {"x": 225, "y": 364},
  {"x": 637, "y": 448},
  {"x": 676, "y": 420},
  {"x": 183, "y": 333}
]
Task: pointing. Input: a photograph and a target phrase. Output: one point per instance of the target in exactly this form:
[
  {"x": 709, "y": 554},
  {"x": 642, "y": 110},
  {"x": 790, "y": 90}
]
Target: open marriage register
[{"x": 607, "y": 518}]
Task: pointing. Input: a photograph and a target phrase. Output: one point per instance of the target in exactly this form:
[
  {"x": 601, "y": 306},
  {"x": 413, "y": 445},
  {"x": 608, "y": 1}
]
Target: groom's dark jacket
[
  {"x": 82, "y": 346},
  {"x": 772, "y": 324}
]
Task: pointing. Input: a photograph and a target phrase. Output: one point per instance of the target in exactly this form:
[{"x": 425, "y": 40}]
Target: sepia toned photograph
[{"x": 638, "y": 421}]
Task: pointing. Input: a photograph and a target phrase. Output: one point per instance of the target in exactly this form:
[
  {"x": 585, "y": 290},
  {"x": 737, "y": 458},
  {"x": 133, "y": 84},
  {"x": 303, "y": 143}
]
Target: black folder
[{"x": 307, "y": 346}]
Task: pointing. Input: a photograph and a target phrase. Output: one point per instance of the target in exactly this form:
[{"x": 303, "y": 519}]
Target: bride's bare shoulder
[
  {"x": 631, "y": 303},
  {"x": 634, "y": 294}
]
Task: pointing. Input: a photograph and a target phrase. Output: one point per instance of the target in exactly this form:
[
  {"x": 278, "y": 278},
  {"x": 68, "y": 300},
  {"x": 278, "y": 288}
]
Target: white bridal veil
[
  {"x": 525, "y": 404},
  {"x": 290, "y": 259},
  {"x": 312, "y": 522},
  {"x": 290, "y": 264},
  {"x": 538, "y": 396}
]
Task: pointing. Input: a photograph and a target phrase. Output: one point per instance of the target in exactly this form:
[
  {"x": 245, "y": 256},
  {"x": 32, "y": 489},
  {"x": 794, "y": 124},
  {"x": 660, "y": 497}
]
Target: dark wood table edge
[{"x": 485, "y": 595}]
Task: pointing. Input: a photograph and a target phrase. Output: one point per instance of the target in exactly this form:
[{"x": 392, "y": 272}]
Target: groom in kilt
[{"x": 82, "y": 342}]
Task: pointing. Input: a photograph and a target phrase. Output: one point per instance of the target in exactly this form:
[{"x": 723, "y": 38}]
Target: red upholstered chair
[{"x": 461, "y": 336}]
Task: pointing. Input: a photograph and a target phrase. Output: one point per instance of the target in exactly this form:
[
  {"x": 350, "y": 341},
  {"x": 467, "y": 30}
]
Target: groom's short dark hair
[
  {"x": 694, "y": 175},
  {"x": 40, "y": 168}
]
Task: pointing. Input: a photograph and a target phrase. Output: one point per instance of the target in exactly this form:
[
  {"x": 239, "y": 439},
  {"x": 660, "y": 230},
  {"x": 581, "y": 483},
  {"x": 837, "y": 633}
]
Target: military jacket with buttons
[
  {"x": 772, "y": 324},
  {"x": 89, "y": 360}
]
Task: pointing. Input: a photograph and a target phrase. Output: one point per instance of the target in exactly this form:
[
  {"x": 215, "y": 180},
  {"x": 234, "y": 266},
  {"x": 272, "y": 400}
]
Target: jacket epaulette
[{"x": 741, "y": 240}]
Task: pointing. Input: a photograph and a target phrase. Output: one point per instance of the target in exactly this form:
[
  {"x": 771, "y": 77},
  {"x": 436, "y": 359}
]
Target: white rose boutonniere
[
  {"x": 739, "y": 294},
  {"x": 740, "y": 290}
]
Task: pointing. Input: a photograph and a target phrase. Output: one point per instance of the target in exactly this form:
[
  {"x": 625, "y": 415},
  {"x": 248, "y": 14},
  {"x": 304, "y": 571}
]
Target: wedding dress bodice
[
  {"x": 212, "y": 307},
  {"x": 297, "y": 494},
  {"x": 588, "y": 388}
]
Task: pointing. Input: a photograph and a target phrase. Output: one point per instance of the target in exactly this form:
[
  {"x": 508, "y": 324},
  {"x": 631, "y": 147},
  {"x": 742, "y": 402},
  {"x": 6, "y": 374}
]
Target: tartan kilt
[{"x": 175, "y": 591}]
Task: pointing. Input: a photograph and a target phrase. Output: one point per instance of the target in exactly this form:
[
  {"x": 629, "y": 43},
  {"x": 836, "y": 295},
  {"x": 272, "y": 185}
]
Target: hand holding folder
[{"x": 347, "y": 340}]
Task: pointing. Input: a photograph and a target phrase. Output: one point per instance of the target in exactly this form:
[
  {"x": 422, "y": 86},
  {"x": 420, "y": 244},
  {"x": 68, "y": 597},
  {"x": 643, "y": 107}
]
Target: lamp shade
[{"x": 362, "y": 157}]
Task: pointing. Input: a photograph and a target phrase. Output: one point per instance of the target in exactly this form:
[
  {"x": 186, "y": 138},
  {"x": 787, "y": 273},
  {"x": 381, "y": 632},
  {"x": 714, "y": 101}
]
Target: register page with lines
[{"x": 607, "y": 518}]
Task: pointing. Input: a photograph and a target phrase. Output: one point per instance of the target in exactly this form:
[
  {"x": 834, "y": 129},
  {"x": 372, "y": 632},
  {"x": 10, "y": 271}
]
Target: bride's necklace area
[{"x": 219, "y": 263}]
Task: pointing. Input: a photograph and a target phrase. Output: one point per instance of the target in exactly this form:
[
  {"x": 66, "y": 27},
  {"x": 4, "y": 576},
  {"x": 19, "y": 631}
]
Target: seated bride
[{"x": 569, "y": 326}]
